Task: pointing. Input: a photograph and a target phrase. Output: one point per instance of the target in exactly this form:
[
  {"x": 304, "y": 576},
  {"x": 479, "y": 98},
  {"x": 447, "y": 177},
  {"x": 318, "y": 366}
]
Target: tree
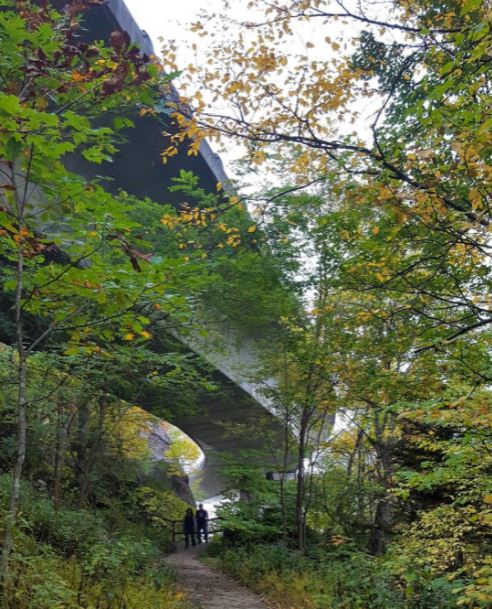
[
  {"x": 74, "y": 266},
  {"x": 422, "y": 172},
  {"x": 183, "y": 453},
  {"x": 425, "y": 156}
]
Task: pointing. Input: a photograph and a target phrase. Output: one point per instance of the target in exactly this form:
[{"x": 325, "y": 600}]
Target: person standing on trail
[
  {"x": 202, "y": 523},
  {"x": 189, "y": 528}
]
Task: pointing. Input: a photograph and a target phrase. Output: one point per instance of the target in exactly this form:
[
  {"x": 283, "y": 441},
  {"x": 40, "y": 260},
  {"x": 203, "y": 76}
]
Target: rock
[{"x": 162, "y": 474}]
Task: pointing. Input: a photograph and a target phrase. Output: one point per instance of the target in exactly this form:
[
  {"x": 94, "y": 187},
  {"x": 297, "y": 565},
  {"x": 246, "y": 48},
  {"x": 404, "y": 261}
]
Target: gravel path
[{"x": 210, "y": 589}]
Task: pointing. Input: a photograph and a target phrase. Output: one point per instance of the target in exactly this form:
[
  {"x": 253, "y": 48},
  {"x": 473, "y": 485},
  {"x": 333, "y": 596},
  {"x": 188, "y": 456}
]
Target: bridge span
[{"x": 220, "y": 421}]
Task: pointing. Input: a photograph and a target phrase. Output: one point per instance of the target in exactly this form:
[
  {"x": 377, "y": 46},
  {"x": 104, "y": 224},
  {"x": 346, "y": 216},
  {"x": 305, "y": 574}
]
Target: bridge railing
[{"x": 177, "y": 532}]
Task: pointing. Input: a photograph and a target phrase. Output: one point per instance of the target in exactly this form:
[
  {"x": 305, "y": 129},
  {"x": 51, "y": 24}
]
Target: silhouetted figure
[
  {"x": 189, "y": 528},
  {"x": 201, "y": 523}
]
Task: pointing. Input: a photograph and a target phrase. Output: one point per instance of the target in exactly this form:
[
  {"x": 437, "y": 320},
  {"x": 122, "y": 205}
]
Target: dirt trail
[{"x": 210, "y": 589}]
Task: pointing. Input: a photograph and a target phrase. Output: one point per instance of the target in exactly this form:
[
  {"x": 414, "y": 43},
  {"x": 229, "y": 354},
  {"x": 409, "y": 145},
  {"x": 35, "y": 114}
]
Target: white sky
[
  {"x": 166, "y": 20},
  {"x": 162, "y": 19},
  {"x": 169, "y": 20}
]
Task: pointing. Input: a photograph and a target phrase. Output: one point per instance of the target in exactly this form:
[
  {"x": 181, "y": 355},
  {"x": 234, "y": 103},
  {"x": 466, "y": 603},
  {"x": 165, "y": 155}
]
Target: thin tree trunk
[
  {"x": 381, "y": 526},
  {"x": 90, "y": 451},
  {"x": 62, "y": 435},
  {"x": 320, "y": 421},
  {"x": 384, "y": 513},
  {"x": 57, "y": 465},
  {"x": 21, "y": 394},
  {"x": 285, "y": 460},
  {"x": 300, "y": 491},
  {"x": 18, "y": 468},
  {"x": 353, "y": 454}
]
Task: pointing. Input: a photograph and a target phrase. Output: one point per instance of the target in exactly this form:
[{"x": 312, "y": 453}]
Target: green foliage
[
  {"x": 340, "y": 579},
  {"x": 183, "y": 453},
  {"x": 392, "y": 242},
  {"x": 75, "y": 558},
  {"x": 247, "y": 284},
  {"x": 159, "y": 507},
  {"x": 256, "y": 515}
]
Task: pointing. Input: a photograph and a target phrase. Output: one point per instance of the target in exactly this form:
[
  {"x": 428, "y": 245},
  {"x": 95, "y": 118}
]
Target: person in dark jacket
[
  {"x": 201, "y": 523},
  {"x": 189, "y": 528}
]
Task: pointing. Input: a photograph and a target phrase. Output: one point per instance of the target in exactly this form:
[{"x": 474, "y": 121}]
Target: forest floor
[{"x": 207, "y": 587}]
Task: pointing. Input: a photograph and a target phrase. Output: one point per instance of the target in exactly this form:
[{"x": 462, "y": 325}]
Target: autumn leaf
[{"x": 77, "y": 76}]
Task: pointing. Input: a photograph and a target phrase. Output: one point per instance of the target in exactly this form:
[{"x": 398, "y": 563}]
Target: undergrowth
[
  {"x": 338, "y": 579},
  {"x": 77, "y": 559}
]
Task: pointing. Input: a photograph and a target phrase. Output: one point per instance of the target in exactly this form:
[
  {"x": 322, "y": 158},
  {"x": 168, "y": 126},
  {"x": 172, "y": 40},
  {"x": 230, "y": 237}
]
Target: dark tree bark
[{"x": 384, "y": 511}]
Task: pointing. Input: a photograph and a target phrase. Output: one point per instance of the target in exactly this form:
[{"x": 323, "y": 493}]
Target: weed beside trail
[{"x": 330, "y": 580}]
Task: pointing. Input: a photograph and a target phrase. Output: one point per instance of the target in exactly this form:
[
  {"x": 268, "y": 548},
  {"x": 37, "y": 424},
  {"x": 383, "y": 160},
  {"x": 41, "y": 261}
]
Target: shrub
[
  {"x": 341, "y": 579},
  {"x": 72, "y": 559}
]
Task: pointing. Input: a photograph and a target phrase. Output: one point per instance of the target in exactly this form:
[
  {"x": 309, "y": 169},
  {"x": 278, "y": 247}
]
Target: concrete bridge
[{"x": 138, "y": 169}]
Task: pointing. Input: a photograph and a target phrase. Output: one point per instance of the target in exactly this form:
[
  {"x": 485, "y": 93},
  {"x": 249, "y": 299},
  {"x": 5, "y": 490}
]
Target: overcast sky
[
  {"x": 160, "y": 21},
  {"x": 163, "y": 19},
  {"x": 170, "y": 21}
]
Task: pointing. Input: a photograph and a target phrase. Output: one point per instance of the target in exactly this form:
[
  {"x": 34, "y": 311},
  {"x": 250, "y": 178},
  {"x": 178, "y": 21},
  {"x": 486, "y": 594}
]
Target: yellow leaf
[
  {"x": 129, "y": 336},
  {"x": 488, "y": 499},
  {"x": 146, "y": 334},
  {"x": 486, "y": 519},
  {"x": 252, "y": 228},
  {"x": 375, "y": 230}
]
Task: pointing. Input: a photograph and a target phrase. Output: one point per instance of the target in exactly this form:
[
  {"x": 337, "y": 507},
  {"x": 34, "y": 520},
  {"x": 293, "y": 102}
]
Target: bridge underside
[
  {"x": 228, "y": 421},
  {"x": 138, "y": 168},
  {"x": 232, "y": 425}
]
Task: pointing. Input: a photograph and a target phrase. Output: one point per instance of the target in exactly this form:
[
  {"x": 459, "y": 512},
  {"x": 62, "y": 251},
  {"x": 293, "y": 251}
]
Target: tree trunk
[
  {"x": 63, "y": 431},
  {"x": 384, "y": 513},
  {"x": 285, "y": 460},
  {"x": 90, "y": 448},
  {"x": 381, "y": 526},
  {"x": 79, "y": 449},
  {"x": 301, "y": 488},
  {"x": 11, "y": 517}
]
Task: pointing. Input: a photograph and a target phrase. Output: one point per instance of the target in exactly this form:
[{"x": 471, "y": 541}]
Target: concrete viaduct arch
[{"x": 138, "y": 169}]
